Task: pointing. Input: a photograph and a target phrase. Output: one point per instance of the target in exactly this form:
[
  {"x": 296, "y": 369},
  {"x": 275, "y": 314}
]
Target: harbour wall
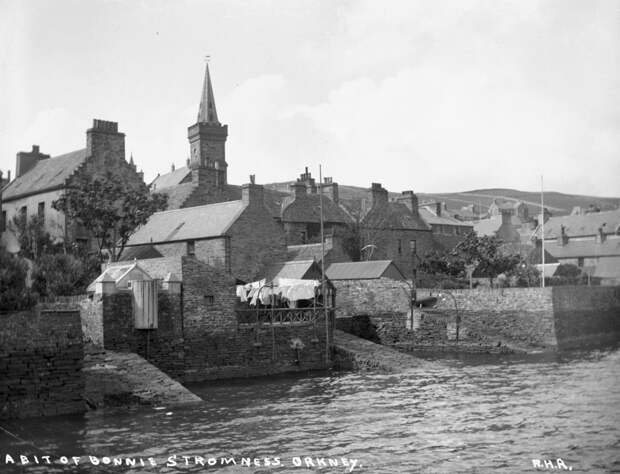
[
  {"x": 41, "y": 359},
  {"x": 189, "y": 347},
  {"x": 498, "y": 320}
]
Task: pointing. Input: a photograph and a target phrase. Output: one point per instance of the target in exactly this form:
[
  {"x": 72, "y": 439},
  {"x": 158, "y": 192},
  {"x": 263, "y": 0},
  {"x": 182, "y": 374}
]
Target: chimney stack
[
  {"x": 438, "y": 206},
  {"x": 26, "y": 160},
  {"x": 104, "y": 139},
  {"x": 298, "y": 188},
  {"x": 379, "y": 196},
  {"x": 252, "y": 194},
  {"x": 331, "y": 189},
  {"x": 409, "y": 199}
]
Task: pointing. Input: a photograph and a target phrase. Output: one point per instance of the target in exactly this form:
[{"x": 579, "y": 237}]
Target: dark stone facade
[{"x": 41, "y": 359}]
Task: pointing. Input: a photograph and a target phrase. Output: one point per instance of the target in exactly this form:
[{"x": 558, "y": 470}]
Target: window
[
  {"x": 23, "y": 211},
  {"x": 3, "y": 222},
  {"x": 41, "y": 210},
  {"x": 580, "y": 262},
  {"x": 400, "y": 247},
  {"x": 209, "y": 300},
  {"x": 191, "y": 248},
  {"x": 413, "y": 247}
]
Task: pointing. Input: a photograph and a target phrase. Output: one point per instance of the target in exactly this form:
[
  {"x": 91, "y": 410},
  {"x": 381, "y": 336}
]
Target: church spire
[{"x": 207, "y": 112}]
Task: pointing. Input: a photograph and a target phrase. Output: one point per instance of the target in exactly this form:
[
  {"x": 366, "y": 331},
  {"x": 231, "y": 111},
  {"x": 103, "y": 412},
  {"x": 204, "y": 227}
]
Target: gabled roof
[
  {"x": 307, "y": 208},
  {"x": 173, "y": 178},
  {"x": 308, "y": 251},
  {"x": 116, "y": 273},
  {"x": 199, "y": 222},
  {"x": 582, "y": 224},
  {"x": 393, "y": 215},
  {"x": 300, "y": 270},
  {"x": 430, "y": 217},
  {"x": 142, "y": 252},
  {"x": 584, "y": 248},
  {"x": 488, "y": 226},
  {"x": 46, "y": 174},
  {"x": 362, "y": 270}
]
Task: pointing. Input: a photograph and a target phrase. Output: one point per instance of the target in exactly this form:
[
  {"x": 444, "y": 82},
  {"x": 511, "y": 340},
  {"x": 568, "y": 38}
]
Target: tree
[
  {"x": 31, "y": 235},
  {"x": 62, "y": 275},
  {"x": 14, "y": 295},
  {"x": 110, "y": 208},
  {"x": 485, "y": 250},
  {"x": 444, "y": 263}
]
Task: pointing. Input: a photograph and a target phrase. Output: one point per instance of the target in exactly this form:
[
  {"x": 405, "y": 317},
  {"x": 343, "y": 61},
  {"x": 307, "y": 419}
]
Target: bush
[
  {"x": 62, "y": 275},
  {"x": 14, "y": 295}
]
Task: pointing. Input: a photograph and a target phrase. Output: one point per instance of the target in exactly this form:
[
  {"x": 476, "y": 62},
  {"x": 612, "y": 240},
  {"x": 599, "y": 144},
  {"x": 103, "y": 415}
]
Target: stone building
[
  {"x": 447, "y": 230},
  {"x": 591, "y": 241},
  {"x": 301, "y": 211},
  {"x": 241, "y": 237},
  {"x": 198, "y": 332},
  {"x": 204, "y": 179},
  {"x": 40, "y": 180},
  {"x": 506, "y": 206},
  {"x": 394, "y": 230}
]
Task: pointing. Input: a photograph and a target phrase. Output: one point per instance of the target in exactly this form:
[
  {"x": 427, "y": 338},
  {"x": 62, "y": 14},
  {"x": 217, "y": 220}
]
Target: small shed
[
  {"x": 370, "y": 270},
  {"x": 121, "y": 275}
]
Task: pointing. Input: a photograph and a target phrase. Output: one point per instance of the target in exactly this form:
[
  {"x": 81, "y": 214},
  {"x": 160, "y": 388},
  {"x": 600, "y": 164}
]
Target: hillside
[{"x": 558, "y": 203}]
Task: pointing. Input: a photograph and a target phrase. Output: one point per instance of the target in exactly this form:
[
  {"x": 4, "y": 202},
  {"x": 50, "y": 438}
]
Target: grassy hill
[{"x": 558, "y": 203}]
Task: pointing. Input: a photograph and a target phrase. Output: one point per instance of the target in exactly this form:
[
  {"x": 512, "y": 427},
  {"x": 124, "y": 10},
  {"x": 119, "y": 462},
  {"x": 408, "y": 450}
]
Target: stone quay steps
[
  {"x": 352, "y": 352},
  {"x": 124, "y": 378}
]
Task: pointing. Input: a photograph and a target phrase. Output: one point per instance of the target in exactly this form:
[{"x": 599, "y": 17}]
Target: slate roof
[
  {"x": 308, "y": 251},
  {"x": 582, "y": 225},
  {"x": 591, "y": 248},
  {"x": 359, "y": 270},
  {"x": 173, "y": 178},
  {"x": 46, "y": 174},
  {"x": 488, "y": 226},
  {"x": 306, "y": 269},
  {"x": 393, "y": 215},
  {"x": 141, "y": 252},
  {"x": 306, "y": 208},
  {"x": 190, "y": 223},
  {"x": 535, "y": 257},
  {"x": 430, "y": 217}
]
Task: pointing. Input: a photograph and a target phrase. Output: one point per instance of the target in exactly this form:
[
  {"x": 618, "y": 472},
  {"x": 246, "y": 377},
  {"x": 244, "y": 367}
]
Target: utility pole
[
  {"x": 542, "y": 230},
  {"x": 323, "y": 267}
]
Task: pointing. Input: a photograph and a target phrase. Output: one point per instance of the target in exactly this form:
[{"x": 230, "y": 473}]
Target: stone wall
[
  {"x": 162, "y": 346},
  {"x": 41, "y": 358},
  {"x": 521, "y": 318},
  {"x": 371, "y": 297},
  {"x": 199, "y": 337},
  {"x": 584, "y": 315},
  {"x": 534, "y": 318},
  {"x": 256, "y": 241},
  {"x": 91, "y": 313}
]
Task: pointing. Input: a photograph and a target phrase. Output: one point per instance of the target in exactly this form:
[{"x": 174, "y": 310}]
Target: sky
[{"x": 428, "y": 95}]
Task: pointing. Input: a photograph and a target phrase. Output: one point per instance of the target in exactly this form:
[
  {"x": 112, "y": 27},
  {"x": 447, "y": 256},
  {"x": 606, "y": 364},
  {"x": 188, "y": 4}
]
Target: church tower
[{"x": 207, "y": 141}]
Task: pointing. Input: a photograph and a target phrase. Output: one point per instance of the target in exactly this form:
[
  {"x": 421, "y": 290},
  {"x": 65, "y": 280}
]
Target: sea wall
[
  {"x": 586, "y": 314},
  {"x": 371, "y": 297},
  {"x": 187, "y": 346},
  {"x": 41, "y": 359},
  {"x": 533, "y": 318}
]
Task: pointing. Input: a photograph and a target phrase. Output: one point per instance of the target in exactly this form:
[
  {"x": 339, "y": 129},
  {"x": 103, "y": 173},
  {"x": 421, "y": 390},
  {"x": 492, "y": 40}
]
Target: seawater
[{"x": 466, "y": 414}]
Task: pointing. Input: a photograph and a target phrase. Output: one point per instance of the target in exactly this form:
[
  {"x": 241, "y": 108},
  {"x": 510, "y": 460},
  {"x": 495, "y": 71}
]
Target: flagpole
[
  {"x": 542, "y": 230},
  {"x": 323, "y": 267}
]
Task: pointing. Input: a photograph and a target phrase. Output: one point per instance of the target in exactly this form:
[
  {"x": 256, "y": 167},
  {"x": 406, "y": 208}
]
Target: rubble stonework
[{"x": 41, "y": 358}]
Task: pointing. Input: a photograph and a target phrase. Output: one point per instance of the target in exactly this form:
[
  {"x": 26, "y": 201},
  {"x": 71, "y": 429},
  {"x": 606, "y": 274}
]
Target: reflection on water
[{"x": 445, "y": 415}]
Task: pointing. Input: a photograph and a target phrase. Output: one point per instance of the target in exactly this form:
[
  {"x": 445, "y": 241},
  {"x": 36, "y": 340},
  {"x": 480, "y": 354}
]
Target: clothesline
[{"x": 286, "y": 288}]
